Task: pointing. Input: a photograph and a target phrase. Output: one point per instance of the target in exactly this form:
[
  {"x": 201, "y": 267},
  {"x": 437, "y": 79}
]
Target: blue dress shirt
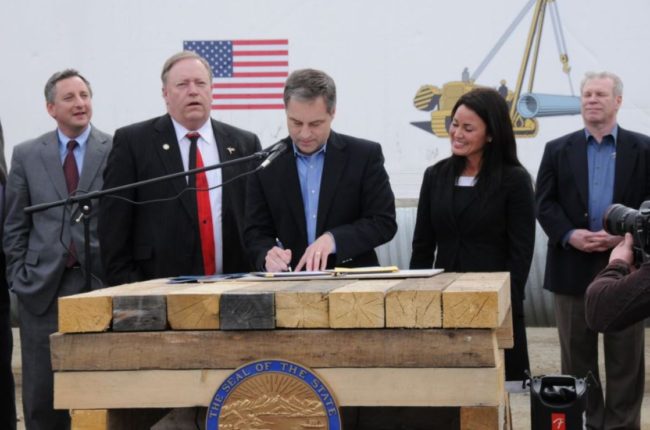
[
  {"x": 601, "y": 159},
  {"x": 310, "y": 172},
  {"x": 601, "y": 164}
]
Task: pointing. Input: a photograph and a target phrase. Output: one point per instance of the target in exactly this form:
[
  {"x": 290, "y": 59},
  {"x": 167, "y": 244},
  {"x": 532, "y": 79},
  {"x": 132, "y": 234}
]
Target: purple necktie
[
  {"x": 70, "y": 168},
  {"x": 71, "y": 174}
]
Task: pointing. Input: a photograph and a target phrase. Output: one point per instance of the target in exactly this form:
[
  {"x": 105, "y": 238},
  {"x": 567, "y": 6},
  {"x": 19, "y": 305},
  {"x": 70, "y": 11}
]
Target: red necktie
[
  {"x": 200, "y": 181},
  {"x": 71, "y": 174}
]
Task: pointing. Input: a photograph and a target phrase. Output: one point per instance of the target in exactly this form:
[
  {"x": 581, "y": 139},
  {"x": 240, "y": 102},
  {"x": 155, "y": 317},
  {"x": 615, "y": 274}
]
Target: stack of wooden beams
[{"x": 402, "y": 342}]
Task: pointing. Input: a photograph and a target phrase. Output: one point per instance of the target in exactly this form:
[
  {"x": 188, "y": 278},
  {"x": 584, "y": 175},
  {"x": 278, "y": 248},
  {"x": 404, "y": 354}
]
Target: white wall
[{"x": 379, "y": 52}]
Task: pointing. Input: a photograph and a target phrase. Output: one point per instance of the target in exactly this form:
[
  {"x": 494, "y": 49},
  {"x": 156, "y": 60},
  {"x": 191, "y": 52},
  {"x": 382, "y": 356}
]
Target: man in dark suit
[
  {"x": 580, "y": 175},
  {"x": 327, "y": 200},
  {"x": 7, "y": 389},
  {"x": 186, "y": 232},
  {"x": 44, "y": 250}
]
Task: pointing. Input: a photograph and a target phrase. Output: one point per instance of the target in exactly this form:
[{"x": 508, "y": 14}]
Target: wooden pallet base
[
  {"x": 451, "y": 418},
  {"x": 115, "y": 419},
  {"x": 353, "y": 387}
]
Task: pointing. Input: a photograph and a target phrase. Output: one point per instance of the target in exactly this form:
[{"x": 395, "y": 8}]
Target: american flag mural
[{"x": 248, "y": 74}]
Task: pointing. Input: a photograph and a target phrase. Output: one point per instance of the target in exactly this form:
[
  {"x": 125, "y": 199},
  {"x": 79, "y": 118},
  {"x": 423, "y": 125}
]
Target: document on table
[
  {"x": 190, "y": 279},
  {"x": 415, "y": 273},
  {"x": 374, "y": 272},
  {"x": 302, "y": 274},
  {"x": 368, "y": 269}
]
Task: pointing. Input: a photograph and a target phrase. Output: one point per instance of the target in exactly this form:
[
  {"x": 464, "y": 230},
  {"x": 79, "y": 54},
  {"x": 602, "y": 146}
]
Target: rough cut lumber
[
  {"x": 505, "y": 337},
  {"x": 91, "y": 419},
  {"x": 437, "y": 367},
  {"x": 353, "y": 387},
  {"x": 476, "y": 300},
  {"x": 88, "y": 314},
  {"x": 305, "y": 304},
  {"x": 465, "y": 418},
  {"x": 417, "y": 303},
  {"x": 93, "y": 311},
  {"x": 387, "y": 418},
  {"x": 115, "y": 419},
  {"x": 247, "y": 311},
  {"x": 313, "y": 348},
  {"x": 360, "y": 304},
  {"x": 197, "y": 307},
  {"x": 250, "y": 308},
  {"x": 507, "y": 411},
  {"x": 450, "y": 418},
  {"x": 480, "y": 417},
  {"x": 139, "y": 313}
]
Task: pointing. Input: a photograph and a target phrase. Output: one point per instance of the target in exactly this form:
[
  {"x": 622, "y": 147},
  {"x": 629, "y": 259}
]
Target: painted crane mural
[{"x": 525, "y": 107}]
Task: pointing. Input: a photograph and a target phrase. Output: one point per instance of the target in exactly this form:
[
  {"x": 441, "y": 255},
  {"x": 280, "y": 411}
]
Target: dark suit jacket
[
  {"x": 562, "y": 202},
  {"x": 356, "y": 204},
  {"x": 492, "y": 233},
  {"x": 140, "y": 242}
]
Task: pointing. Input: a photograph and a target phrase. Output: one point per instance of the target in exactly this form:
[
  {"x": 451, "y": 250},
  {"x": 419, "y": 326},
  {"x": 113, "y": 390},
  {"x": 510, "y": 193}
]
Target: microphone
[{"x": 274, "y": 152}]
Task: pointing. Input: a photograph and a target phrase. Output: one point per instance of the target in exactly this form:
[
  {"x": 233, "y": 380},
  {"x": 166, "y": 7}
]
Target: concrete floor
[{"x": 544, "y": 353}]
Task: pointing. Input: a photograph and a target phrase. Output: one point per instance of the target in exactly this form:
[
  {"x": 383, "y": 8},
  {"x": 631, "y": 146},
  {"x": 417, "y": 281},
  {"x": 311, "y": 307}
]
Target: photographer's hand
[{"x": 624, "y": 250}]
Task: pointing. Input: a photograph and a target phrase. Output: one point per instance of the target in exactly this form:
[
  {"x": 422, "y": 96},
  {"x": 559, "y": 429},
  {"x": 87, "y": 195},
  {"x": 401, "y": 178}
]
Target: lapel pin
[
  {"x": 230, "y": 150},
  {"x": 166, "y": 146}
]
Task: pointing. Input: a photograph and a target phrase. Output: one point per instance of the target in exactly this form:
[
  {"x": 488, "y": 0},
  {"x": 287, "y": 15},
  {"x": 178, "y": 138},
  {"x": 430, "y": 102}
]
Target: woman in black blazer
[{"x": 476, "y": 208}]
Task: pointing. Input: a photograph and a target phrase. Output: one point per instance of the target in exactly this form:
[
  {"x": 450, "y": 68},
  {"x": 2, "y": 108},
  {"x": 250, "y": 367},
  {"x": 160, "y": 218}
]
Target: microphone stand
[{"x": 84, "y": 201}]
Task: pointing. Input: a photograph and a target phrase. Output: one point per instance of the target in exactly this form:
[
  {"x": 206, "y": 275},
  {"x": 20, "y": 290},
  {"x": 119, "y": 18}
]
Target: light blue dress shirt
[{"x": 310, "y": 173}]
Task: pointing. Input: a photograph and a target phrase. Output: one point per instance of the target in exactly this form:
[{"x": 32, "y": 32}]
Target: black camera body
[{"x": 620, "y": 219}]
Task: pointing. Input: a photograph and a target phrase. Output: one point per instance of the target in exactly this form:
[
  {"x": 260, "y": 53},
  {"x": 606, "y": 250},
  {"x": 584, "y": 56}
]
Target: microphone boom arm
[
  {"x": 84, "y": 200},
  {"x": 97, "y": 194}
]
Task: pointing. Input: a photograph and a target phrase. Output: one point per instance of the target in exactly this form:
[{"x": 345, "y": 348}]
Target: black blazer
[
  {"x": 140, "y": 242},
  {"x": 492, "y": 233},
  {"x": 562, "y": 202},
  {"x": 356, "y": 204}
]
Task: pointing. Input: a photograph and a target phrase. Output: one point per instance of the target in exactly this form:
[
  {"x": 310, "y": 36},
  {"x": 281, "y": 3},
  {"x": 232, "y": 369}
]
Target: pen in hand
[{"x": 281, "y": 246}]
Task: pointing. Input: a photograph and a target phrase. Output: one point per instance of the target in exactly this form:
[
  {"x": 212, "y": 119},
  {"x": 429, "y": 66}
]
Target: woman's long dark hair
[{"x": 501, "y": 149}]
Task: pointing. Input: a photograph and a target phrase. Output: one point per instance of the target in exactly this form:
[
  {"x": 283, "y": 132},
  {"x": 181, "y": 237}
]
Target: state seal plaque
[{"x": 273, "y": 395}]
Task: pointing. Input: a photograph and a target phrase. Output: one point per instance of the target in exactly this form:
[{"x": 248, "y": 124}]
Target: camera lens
[{"x": 619, "y": 220}]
